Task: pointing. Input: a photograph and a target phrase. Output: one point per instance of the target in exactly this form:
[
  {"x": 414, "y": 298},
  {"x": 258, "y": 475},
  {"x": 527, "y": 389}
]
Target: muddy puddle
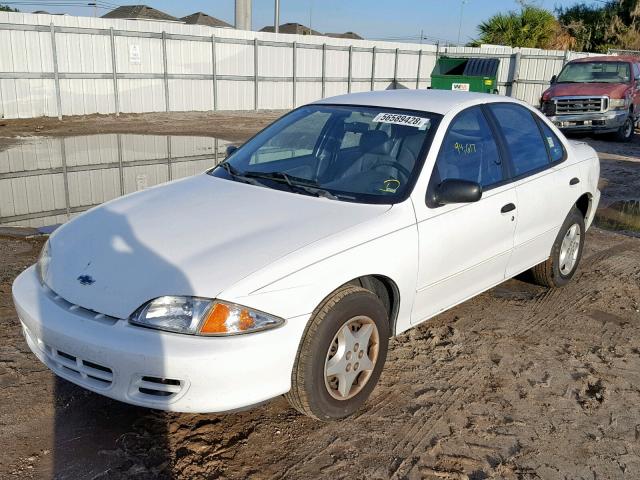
[
  {"x": 46, "y": 181},
  {"x": 621, "y": 216}
]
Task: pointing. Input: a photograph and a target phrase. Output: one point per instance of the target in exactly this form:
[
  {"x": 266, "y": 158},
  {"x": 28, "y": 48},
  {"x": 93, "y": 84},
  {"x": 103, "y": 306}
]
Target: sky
[{"x": 401, "y": 20}]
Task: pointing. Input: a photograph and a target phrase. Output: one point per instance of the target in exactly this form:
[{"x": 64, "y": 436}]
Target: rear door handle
[
  {"x": 509, "y": 207},
  {"x": 574, "y": 181}
]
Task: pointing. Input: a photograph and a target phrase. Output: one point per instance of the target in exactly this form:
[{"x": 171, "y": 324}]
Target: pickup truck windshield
[
  {"x": 595, "y": 72},
  {"x": 349, "y": 153}
]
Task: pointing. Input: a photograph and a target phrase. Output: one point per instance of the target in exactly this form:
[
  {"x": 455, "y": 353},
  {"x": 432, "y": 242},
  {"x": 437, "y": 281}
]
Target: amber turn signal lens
[
  {"x": 246, "y": 320},
  {"x": 216, "y": 320}
]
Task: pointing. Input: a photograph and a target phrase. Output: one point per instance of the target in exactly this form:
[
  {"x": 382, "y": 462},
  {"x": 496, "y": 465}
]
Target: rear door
[
  {"x": 539, "y": 199},
  {"x": 464, "y": 248}
]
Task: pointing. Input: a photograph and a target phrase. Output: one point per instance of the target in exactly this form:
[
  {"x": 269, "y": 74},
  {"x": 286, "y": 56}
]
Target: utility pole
[
  {"x": 276, "y": 17},
  {"x": 462, "y": 2},
  {"x": 243, "y": 14},
  {"x": 421, "y": 36}
]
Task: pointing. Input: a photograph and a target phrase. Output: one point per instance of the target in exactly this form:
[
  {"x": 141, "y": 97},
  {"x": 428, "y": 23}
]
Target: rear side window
[
  {"x": 469, "y": 151},
  {"x": 556, "y": 150},
  {"x": 521, "y": 133}
]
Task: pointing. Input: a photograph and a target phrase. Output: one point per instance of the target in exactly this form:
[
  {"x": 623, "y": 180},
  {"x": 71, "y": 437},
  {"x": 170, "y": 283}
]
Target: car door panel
[
  {"x": 463, "y": 251},
  {"x": 539, "y": 219}
]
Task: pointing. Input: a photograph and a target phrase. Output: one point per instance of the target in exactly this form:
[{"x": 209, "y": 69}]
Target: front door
[{"x": 464, "y": 248}]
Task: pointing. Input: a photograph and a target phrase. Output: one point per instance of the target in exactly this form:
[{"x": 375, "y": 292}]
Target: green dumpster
[{"x": 466, "y": 74}]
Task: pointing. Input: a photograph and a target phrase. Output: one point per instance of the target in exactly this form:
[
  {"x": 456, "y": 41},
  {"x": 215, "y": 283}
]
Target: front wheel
[
  {"x": 566, "y": 253},
  {"x": 626, "y": 131},
  {"x": 341, "y": 355}
]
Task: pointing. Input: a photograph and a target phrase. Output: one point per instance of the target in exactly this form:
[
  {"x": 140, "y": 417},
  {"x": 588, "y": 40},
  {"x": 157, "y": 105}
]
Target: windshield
[
  {"x": 595, "y": 72},
  {"x": 361, "y": 154}
]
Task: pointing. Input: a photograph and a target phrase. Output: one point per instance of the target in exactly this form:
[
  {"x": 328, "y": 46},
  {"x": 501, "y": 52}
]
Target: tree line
[{"x": 581, "y": 27}]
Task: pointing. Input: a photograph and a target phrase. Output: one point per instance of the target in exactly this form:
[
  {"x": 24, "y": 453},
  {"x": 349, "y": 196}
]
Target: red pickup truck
[{"x": 596, "y": 94}]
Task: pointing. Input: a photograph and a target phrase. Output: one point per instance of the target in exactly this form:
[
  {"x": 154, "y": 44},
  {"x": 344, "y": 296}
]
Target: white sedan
[{"x": 287, "y": 268}]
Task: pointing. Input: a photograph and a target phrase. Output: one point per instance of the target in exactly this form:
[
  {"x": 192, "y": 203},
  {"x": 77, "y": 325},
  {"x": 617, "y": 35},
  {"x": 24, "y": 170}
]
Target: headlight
[
  {"x": 617, "y": 103},
  {"x": 44, "y": 259},
  {"x": 201, "y": 316}
]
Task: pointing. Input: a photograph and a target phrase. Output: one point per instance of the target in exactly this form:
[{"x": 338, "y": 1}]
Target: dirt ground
[{"x": 518, "y": 383}]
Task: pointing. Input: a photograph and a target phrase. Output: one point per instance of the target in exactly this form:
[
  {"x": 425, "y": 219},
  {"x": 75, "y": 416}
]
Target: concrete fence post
[
  {"x": 395, "y": 70},
  {"x": 214, "y": 72},
  {"x": 565, "y": 58},
  {"x": 56, "y": 74},
  {"x": 349, "y": 74},
  {"x": 114, "y": 70},
  {"x": 255, "y": 74},
  {"x": 373, "y": 68},
  {"x": 515, "y": 76},
  {"x": 419, "y": 66},
  {"x": 324, "y": 69},
  {"x": 293, "y": 76},
  {"x": 166, "y": 73}
]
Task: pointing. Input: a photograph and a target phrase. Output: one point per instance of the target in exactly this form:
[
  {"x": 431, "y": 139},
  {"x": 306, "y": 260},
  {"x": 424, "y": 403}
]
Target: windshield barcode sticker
[{"x": 408, "y": 120}]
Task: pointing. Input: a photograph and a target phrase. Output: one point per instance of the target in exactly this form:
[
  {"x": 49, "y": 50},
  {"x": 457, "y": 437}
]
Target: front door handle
[
  {"x": 574, "y": 181},
  {"x": 509, "y": 207}
]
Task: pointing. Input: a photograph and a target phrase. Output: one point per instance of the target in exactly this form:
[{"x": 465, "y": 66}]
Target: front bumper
[
  {"x": 592, "y": 122},
  {"x": 151, "y": 368}
]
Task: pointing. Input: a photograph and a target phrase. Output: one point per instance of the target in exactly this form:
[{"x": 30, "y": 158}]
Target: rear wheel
[
  {"x": 566, "y": 253},
  {"x": 341, "y": 355}
]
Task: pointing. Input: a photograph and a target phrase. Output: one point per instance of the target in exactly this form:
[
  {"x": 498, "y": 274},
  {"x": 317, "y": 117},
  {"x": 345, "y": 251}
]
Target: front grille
[
  {"x": 577, "y": 105},
  {"x": 78, "y": 310}
]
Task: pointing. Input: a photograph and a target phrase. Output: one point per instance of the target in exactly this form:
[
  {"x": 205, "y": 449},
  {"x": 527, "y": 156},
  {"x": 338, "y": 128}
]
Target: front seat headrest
[{"x": 376, "y": 142}]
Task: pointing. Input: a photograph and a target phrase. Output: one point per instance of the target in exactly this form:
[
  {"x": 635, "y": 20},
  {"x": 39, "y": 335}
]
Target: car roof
[
  {"x": 607, "y": 58},
  {"x": 436, "y": 101}
]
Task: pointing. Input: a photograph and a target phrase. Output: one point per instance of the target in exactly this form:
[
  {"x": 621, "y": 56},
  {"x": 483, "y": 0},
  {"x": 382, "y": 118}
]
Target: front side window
[
  {"x": 469, "y": 151},
  {"x": 595, "y": 72},
  {"x": 350, "y": 153},
  {"x": 522, "y": 135}
]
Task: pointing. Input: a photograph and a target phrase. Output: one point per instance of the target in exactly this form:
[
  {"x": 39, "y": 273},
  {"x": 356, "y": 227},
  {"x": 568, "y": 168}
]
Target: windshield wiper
[
  {"x": 236, "y": 175},
  {"x": 294, "y": 183}
]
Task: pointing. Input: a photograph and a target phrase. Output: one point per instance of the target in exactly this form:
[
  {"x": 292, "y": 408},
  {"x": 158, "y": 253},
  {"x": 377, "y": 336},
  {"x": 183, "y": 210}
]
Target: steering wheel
[{"x": 402, "y": 169}]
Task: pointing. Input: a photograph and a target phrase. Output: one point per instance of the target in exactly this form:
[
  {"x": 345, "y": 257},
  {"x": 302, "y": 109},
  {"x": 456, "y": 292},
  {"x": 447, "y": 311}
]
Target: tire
[
  {"x": 625, "y": 132},
  {"x": 558, "y": 269},
  {"x": 324, "y": 348}
]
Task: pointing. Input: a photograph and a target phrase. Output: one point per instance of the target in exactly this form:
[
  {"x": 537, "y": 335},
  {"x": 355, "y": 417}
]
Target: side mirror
[
  {"x": 455, "y": 190},
  {"x": 231, "y": 149},
  {"x": 553, "y": 79}
]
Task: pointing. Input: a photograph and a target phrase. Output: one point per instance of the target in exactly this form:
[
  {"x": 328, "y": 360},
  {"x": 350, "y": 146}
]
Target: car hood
[
  {"x": 190, "y": 237},
  {"x": 613, "y": 90}
]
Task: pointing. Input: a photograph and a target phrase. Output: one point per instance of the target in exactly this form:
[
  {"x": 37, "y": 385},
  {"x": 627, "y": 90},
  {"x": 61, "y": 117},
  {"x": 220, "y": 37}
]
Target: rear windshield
[
  {"x": 595, "y": 72},
  {"x": 361, "y": 154}
]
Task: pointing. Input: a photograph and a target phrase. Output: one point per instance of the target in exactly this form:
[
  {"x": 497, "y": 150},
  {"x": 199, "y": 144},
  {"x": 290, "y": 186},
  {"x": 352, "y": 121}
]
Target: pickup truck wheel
[
  {"x": 341, "y": 355},
  {"x": 626, "y": 131},
  {"x": 566, "y": 253}
]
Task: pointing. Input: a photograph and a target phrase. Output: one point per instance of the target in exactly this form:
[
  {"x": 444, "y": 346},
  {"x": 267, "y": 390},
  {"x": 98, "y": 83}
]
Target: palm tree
[{"x": 531, "y": 27}]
